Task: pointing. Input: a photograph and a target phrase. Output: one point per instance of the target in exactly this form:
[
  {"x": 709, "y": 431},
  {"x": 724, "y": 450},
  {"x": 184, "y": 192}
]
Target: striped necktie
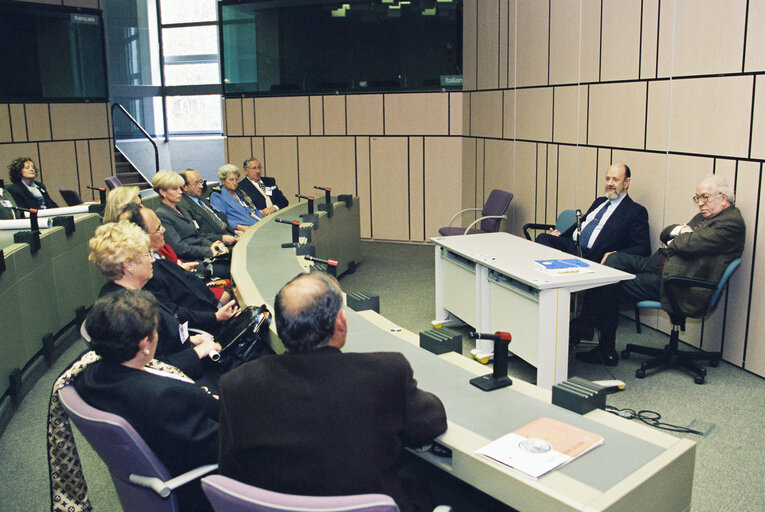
[{"x": 584, "y": 238}]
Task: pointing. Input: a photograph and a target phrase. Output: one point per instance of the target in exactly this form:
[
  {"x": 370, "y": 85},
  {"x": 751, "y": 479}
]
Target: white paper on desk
[
  {"x": 565, "y": 271},
  {"x": 24, "y": 223},
  {"x": 67, "y": 210}
]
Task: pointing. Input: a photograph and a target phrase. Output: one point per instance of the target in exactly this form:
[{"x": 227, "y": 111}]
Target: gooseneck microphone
[
  {"x": 330, "y": 263},
  {"x": 498, "y": 378},
  {"x": 579, "y": 232},
  {"x": 295, "y": 231}
]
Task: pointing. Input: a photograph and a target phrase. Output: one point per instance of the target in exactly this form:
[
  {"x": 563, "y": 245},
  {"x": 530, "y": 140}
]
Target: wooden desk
[{"x": 491, "y": 282}]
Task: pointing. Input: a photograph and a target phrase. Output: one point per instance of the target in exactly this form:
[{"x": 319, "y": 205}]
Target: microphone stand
[
  {"x": 327, "y": 206},
  {"x": 310, "y": 216},
  {"x": 331, "y": 264},
  {"x": 300, "y": 249},
  {"x": 579, "y": 232},
  {"x": 498, "y": 378}
]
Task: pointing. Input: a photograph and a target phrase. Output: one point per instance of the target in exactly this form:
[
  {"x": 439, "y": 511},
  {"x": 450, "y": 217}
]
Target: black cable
[{"x": 650, "y": 418}]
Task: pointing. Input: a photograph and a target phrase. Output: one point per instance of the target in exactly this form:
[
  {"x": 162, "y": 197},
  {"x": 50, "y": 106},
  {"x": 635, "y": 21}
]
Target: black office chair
[
  {"x": 492, "y": 214},
  {"x": 670, "y": 356},
  {"x": 71, "y": 197},
  {"x": 565, "y": 220}
]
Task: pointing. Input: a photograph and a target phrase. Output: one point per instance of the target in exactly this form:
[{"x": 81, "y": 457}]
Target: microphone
[
  {"x": 310, "y": 200},
  {"x": 578, "y": 232},
  {"x": 95, "y": 188},
  {"x": 292, "y": 222},
  {"x": 497, "y": 336},
  {"x": 101, "y": 194},
  {"x": 498, "y": 378},
  {"x": 331, "y": 264},
  {"x": 214, "y": 355},
  {"x": 295, "y": 232},
  {"x": 327, "y": 193}
]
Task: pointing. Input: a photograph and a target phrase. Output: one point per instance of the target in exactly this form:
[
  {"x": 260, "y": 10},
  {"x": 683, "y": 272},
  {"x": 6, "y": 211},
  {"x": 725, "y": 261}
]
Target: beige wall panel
[
  {"x": 248, "y": 116},
  {"x": 488, "y": 45},
  {"x": 469, "y": 174},
  {"x": 620, "y": 53},
  {"x": 8, "y": 152},
  {"x": 564, "y": 41},
  {"x": 416, "y": 189},
  {"x": 541, "y": 192},
  {"x": 504, "y": 6},
  {"x": 758, "y": 123},
  {"x": 101, "y": 160},
  {"x": 234, "y": 117},
  {"x": 18, "y": 122},
  {"x": 82, "y": 151},
  {"x": 509, "y": 121},
  {"x": 532, "y": 40},
  {"x": 551, "y": 203},
  {"x": 316, "y": 105},
  {"x": 524, "y": 192},
  {"x": 365, "y": 114},
  {"x": 389, "y": 183},
  {"x": 512, "y": 43},
  {"x": 570, "y": 114},
  {"x": 326, "y": 162},
  {"x": 364, "y": 185},
  {"x": 257, "y": 150},
  {"x": 282, "y": 116},
  {"x": 708, "y": 37},
  {"x": 281, "y": 162},
  {"x": 443, "y": 181},
  {"x": 458, "y": 119},
  {"x": 5, "y": 123},
  {"x": 755, "y": 353},
  {"x": 334, "y": 115},
  {"x": 38, "y": 121},
  {"x": 658, "y": 115},
  {"x": 480, "y": 169},
  {"x": 648, "y": 40},
  {"x": 605, "y": 157},
  {"x": 237, "y": 149},
  {"x": 486, "y": 114},
  {"x": 59, "y": 168},
  {"x": 419, "y": 113},
  {"x": 79, "y": 120},
  {"x": 590, "y": 52},
  {"x": 617, "y": 115},
  {"x": 754, "y": 59},
  {"x": 576, "y": 167},
  {"x": 469, "y": 44},
  {"x": 534, "y": 108},
  {"x": 710, "y": 116},
  {"x": 499, "y": 172}
]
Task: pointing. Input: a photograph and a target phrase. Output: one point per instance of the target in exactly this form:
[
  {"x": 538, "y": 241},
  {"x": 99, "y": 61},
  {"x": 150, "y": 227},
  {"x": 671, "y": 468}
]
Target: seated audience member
[
  {"x": 27, "y": 192},
  {"x": 181, "y": 232},
  {"x": 177, "y": 418},
  {"x": 7, "y": 203},
  {"x": 120, "y": 250},
  {"x": 315, "y": 420},
  {"x": 116, "y": 201},
  {"x": 183, "y": 294},
  {"x": 263, "y": 191},
  {"x": 211, "y": 222},
  {"x": 701, "y": 249},
  {"x": 237, "y": 205},
  {"x": 614, "y": 222}
]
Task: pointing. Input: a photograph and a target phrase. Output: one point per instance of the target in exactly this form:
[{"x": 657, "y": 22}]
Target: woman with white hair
[{"x": 237, "y": 205}]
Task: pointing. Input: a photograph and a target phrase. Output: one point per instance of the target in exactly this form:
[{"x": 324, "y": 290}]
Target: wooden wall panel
[
  {"x": 417, "y": 189},
  {"x": 534, "y": 109},
  {"x": 316, "y": 107},
  {"x": 334, "y": 115},
  {"x": 18, "y": 122},
  {"x": 443, "y": 181},
  {"x": 418, "y": 114},
  {"x": 616, "y": 115},
  {"x": 620, "y": 56},
  {"x": 503, "y": 42},
  {"x": 38, "y": 121},
  {"x": 83, "y": 172},
  {"x": 458, "y": 121},
  {"x": 470, "y": 177},
  {"x": 248, "y": 116},
  {"x": 551, "y": 202},
  {"x": 8, "y": 152},
  {"x": 5, "y": 123},
  {"x": 541, "y": 191},
  {"x": 237, "y": 149},
  {"x": 524, "y": 199},
  {"x": 564, "y": 41},
  {"x": 469, "y": 45},
  {"x": 755, "y": 39},
  {"x": 570, "y": 114},
  {"x": 480, "y": 179},
  {"x": 281, "y": 160},
  {"x": 59, "y": 168},
  {"x": 532, "y": 43},
  {"x": 488, "y": 46},
  {"x": 499, "y": 172},
  {"x": 78, "y": 120},
  {"x": 509, "y": 119},
  {"x": 365, "y": 114},
  {"x": 389, "y": 171},
  {"x": 326, "y": 162},
  {"x": 101, "y": 160},
  {"x": 589, "y": 55},
  {"x": 758, "y": 121},
  {"x": 657, "y": 124},
  {"x": 755, "y": 349},
  {"x": 364, "y": 185},
  {"x": 282, "y": 116},
  {"x": 649, "y": 39},
  {"x": 257, "y": 150},
  {"x": 486, "y": 114}
]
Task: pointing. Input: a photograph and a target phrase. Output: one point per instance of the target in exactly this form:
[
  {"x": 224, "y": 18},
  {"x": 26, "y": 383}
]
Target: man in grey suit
[{"x": 209, "y": 221}]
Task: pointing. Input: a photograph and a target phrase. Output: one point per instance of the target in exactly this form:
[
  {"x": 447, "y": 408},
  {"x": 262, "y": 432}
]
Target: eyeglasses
[
  {"x": 704, "y": 198},
  {"x": 160, "y": 229}
]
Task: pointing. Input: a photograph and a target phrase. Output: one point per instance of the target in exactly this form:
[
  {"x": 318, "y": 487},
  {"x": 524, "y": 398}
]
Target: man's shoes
[
  {"x": 594, "y": 356},
  {"x": 580, "y": 329}
]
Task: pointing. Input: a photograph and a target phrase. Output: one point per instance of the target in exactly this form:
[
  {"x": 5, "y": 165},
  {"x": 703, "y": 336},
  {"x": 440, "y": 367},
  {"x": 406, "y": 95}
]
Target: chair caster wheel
[
  {"x": 640, "y": 373},
  {"x": 703, "y": 373},
  {"x": 714, "y": 363},
  {"x": 698, "y": 379},
  {"x": 625, "y": 354}
]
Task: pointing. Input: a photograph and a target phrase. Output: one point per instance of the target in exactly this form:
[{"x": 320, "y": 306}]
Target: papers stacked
[{"x": 562, "y": 267}]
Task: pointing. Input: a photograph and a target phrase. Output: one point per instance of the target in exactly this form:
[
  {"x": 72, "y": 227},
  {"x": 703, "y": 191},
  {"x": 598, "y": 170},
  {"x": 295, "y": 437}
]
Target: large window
[
  {"x": 51, "y": 53},
  {"x": 302, "y": 47}
]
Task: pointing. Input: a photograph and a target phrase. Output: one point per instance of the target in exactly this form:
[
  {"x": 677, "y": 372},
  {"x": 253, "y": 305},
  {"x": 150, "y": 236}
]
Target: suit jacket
[
  {"x": 626, "y": 230},
  {"x": 170, "y": 349},
  {"x": 182, "y": 235},
  {"x": 277, "y": 198},
  {"x": 183, "y": 294},
  {"x": 702, "y": 254},
  {"x": 6, "y": 212},
  {"x": 178, "y": 420},
  {"x": 324, "y": 422},
  {"x": 236, "y": 213},
  {"x": 25, "y": 199},
  {"x": 207, "y": 226}
]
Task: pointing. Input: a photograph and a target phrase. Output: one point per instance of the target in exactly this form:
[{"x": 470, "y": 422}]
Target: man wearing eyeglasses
[
  {"x": 209, "y": 221},
  {"x": 700, "y": 249},
  {"x": 262, "y": 190}
]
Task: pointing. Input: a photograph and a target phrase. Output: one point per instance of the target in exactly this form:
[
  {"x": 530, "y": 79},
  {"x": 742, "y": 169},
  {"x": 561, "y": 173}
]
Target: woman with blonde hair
[{"x": 116, "y": 201}]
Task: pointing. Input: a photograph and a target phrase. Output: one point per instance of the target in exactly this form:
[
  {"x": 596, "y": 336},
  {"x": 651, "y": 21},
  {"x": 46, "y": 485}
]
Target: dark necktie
[{"x": 584, "y": 238}]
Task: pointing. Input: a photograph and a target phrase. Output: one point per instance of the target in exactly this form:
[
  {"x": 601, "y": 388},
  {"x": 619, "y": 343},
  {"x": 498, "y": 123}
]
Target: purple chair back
[
  {"x": 497, "y": 204},
  {"x": 112, "y": 182},
  {"x": 123, "y": 451},
  {"x": 228, "y": 495}
]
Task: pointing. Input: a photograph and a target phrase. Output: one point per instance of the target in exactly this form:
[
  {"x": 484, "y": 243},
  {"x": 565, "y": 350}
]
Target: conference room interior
[{"x": 552, "y": 93}]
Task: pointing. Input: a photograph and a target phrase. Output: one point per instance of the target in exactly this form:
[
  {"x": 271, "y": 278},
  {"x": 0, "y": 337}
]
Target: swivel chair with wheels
[
  {"x": 670, "y": 356},
  {"x": 491, "y": 215}
]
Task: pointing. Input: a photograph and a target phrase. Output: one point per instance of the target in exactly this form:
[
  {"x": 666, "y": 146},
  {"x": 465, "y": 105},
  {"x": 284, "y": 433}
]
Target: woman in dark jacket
[{"x": 27, "y": 192}]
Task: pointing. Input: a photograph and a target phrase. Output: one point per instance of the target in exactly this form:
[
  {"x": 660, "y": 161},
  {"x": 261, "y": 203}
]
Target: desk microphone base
[{"x": 490, "y": 383}]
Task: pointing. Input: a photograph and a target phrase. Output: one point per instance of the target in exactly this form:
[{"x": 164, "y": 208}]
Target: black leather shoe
[
  {"x": 594, "y": 356},
  {"x": 580, "y": 329}
]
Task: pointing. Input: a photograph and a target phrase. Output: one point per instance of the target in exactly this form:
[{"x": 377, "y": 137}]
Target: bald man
[{"x": 613, "y": 223}]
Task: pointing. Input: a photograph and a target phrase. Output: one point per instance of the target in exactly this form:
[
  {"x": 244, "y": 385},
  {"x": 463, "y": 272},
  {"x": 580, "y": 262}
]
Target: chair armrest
[
  {"x": 534, "y": 225},
  {"x": 461, "y": 212},
  {"x": 164, "y": 489},
  {"x": 482, "y": 218}
]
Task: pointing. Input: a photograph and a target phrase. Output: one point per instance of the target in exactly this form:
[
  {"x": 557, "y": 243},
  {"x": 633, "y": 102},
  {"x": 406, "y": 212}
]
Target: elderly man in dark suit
[
  {"x": 210, "y": 221},
  {"x": 614, "y": 222},
  {"x": 702, "y": 249},
  {"x": 262, "y": 190},
  {"x": 317, "y": 421}
]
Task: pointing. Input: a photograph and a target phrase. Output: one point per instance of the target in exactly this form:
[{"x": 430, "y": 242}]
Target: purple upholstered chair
[
  {"x": 491, "y": 215},
  {"x": 142, "y": 481},
  {"x": 112, "y": 182}
]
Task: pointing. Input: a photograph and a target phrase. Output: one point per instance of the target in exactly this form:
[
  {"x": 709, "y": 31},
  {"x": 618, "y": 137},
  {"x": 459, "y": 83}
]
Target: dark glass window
[
  {"x": 51, "y": 53},
  {"x": 302, "y": 47}
]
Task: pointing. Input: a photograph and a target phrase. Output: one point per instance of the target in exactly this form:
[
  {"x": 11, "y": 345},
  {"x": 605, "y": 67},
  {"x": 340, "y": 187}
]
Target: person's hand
[
  {"x": 553, "y": 232},
  {"x": 208, "y": 345},
  {"x": 605, "y": 257},
  {"x": 268, "y": 211},
  {"x": 198, "y": 339},
  {"x": 241, "y": 227},
  {"x": 190, "y": 266},
  {"x": 227, "y": 311},
  {"x": 685, "y": 229},
  {"x": 229, "y": 239},
  {"x": 218, "y": 247}
]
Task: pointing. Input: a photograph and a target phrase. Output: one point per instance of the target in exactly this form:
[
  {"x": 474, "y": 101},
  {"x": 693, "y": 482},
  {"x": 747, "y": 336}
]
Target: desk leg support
[
  {"x": 553, "y": 337},
  {"x": 484, "y": 348}
]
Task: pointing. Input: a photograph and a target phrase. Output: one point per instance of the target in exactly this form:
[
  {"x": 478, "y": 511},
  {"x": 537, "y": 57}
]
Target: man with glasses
[
  {"x": 700, "y": 249},
  {"x": 208, "y": 219},
  {"x": 262, "y": 190}
]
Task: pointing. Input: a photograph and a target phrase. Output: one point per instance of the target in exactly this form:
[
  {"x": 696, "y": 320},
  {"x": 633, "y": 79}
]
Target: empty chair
[
  {"x": 491, "y": 215},
  {"x": 141, "y": 479},
  {"x": 71, "y": 197},
  {"x": 565, "y": 220},
  {"x": 112, "y": 182}
]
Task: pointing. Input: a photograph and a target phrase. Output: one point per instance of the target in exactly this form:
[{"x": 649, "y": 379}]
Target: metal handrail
[{"x": 140, "y": 128}]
